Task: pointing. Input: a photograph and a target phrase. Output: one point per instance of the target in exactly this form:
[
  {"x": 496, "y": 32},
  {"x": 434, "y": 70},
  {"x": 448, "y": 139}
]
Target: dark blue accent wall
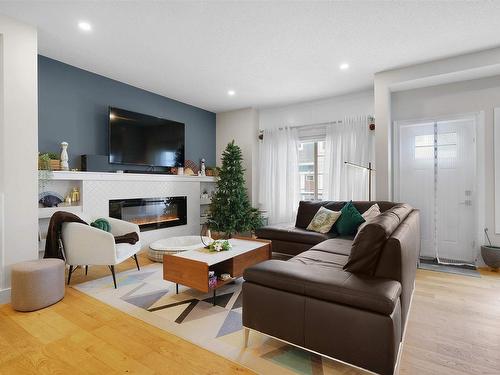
[{"x": 73, "y": 107}]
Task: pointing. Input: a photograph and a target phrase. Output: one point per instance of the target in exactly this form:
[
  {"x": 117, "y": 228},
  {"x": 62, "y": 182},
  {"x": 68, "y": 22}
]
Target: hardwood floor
[
  {"x": 81, "y": 335},
  {"x": 454, "y": 328},
  {"x": 454, "y": 325}
]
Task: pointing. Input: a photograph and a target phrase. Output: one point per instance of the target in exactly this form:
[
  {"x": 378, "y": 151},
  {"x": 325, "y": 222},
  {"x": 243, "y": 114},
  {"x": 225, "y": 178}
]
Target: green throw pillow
[
  {"x": 323, "y": 221},
  {"x": 102, "y": 224},
  {"x": 349, "y": 221}
]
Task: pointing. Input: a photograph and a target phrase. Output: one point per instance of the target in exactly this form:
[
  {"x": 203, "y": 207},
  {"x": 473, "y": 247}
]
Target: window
[
  {"x": 446, "y": 146},
  {"x": 311, "y": 169}
]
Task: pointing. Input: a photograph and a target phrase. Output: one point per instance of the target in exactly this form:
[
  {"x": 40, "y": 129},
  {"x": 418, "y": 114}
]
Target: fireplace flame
[{"x": 153, "y": 219}]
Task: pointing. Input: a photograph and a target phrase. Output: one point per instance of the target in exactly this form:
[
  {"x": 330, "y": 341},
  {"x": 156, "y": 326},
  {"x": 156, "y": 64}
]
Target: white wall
[
  {"x": 454, "y": 69},
  {"x": 242, "y": 127},
  {"x": 18, "y": 148},
  {"x": 318, "y": 111},
  {"x": 459, "y": 98}
]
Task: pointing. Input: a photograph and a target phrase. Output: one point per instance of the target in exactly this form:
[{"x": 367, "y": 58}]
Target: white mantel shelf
[
  {"x": 98, "y": 188},
  {"x": 109, "y": 176}
]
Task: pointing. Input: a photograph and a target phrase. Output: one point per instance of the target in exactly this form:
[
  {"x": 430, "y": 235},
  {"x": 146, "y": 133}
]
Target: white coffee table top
[
  {"x": 212, "y": 257},
  {"x": 181, "y": 243}
]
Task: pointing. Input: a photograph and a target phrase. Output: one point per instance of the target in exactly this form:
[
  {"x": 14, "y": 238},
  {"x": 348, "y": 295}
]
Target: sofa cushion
[
  {"x": 290, "y": 248},
  {"x": 349, "y": 221},
  {"x": 338, "y": 245},
  {"x": 336, "y": 286},
  {"x": 289, "y": 233},
  {"x": 371, "y": 239},
  {"x": 321, "y": 259}
]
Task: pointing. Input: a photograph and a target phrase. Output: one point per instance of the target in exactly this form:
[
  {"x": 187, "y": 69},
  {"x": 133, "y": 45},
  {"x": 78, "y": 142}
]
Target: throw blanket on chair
[
  {"x": 53, "y": 243},
  {"x": 130, "y": 238}
]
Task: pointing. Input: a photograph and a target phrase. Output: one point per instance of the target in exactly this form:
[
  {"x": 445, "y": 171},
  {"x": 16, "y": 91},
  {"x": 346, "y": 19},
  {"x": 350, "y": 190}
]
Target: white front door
[{"x": 436, "y": 173}]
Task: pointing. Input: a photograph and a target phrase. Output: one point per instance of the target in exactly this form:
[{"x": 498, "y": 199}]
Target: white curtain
[
  {"x": 279, "y": 174},
  {"x": 348, "y": 141}
]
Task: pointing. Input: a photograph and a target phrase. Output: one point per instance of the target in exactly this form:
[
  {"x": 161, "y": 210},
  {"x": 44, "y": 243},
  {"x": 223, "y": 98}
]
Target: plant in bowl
[{"x": 490, "y": 253}]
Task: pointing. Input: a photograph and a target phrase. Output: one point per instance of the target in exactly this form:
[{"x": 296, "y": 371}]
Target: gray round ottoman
[{"x": 37, "y": 284}]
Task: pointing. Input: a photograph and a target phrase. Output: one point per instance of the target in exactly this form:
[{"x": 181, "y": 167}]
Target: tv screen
[{"x": 140, "y": 139}]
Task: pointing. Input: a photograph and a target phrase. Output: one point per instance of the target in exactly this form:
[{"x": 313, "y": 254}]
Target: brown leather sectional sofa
[{"x": 344, "y": 297}]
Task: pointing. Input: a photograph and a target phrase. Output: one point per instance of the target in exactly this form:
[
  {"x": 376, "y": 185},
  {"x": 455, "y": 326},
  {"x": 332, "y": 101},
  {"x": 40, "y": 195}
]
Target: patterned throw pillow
[{"x": 323, "y": 221}]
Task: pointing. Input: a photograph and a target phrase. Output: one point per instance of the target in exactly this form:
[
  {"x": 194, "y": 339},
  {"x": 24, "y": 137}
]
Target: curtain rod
[{"x": 335, "y": 122}]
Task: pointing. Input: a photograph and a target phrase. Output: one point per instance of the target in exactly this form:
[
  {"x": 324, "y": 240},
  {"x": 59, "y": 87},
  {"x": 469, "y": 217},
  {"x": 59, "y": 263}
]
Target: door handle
[{"x": 467, "y": 202}]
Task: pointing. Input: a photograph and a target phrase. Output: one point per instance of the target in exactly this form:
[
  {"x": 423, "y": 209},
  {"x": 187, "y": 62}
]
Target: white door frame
[
  {"x": 480, "y": 159},
  {"x": 496, "y": 157}
]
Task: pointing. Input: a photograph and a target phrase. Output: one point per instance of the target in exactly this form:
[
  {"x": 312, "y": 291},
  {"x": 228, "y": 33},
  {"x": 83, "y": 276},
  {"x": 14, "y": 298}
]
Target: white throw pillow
[
  {"x": 323, "y": 221},
  {"x": 370, "y": 213}
]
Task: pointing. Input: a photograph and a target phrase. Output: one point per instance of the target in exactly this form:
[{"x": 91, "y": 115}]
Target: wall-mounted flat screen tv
[{"x": 138, "y": 139}]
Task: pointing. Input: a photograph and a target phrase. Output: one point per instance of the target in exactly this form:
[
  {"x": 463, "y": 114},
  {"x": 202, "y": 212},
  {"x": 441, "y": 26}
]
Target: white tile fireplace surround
[{"x": 97, "y": 189}]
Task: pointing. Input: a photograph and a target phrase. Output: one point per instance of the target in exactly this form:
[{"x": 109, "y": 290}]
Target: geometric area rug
[{"x": 191, "y": 315}]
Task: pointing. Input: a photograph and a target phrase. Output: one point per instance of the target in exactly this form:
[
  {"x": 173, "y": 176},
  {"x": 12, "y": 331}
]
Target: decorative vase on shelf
[
  {"x": 75, "y": 195},
  {"x": 202, "y": 169},
  {"x": 64, "y": 156}
]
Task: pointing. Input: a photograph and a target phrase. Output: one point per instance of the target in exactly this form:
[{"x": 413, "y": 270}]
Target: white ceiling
[{"x": 270, "y": 53}]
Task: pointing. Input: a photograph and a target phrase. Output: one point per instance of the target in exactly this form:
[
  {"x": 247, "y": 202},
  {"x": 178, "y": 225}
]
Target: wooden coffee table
[{"x": 190, "y": 268}]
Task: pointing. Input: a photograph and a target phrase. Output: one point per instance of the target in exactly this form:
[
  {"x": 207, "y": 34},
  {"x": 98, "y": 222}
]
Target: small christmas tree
[{"x": 231, "y": 211}]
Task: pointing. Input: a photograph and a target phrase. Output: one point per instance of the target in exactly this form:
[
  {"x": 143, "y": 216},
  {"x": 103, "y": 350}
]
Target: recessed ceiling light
[
  {"x": 85, "y": 26},
  {"x": 231, "y": 92},
  {"x": 344, "y": 66}
]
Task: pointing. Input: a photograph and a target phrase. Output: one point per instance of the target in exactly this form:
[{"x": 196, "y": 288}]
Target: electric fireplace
[{"x": 150, "y": 213}]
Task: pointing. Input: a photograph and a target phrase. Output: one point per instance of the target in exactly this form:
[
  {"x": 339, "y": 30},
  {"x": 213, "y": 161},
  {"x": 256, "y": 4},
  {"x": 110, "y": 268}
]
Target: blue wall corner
[{"x": 73, "y": 107}]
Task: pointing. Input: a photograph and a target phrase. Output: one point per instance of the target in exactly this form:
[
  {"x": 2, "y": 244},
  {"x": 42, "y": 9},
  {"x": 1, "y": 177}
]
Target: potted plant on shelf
[
  {"x": 44, "y": 171},
  {"x": 230, "y": 210},
  {"x": 211, "y": 171},
  {"x": 49, "y": 161}
]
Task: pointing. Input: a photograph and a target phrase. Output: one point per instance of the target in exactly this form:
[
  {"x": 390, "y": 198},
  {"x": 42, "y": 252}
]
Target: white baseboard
[{"x": 4, "y": 296}]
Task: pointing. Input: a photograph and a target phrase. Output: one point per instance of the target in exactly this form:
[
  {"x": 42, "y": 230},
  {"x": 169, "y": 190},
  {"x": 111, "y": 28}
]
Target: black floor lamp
[{"x": 370, "y": 172}]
